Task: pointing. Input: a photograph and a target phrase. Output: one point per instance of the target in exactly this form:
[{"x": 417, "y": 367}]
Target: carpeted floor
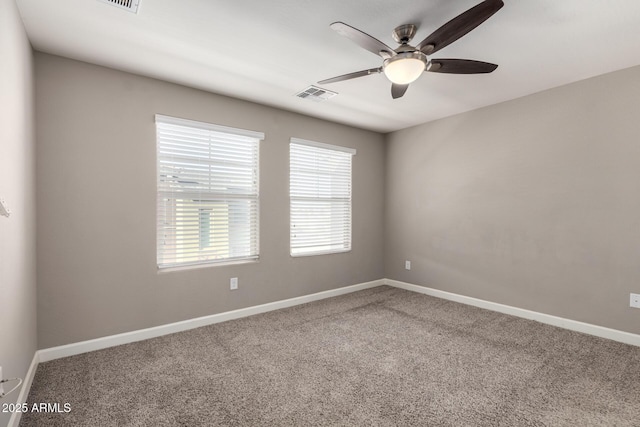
[{"x": 380, "y": 357}]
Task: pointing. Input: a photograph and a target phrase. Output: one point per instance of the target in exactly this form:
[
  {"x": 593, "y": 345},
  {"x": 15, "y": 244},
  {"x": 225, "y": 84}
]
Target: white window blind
[
  {"x": 320, "y": 197},
  {"x": 208, "y": 202}
]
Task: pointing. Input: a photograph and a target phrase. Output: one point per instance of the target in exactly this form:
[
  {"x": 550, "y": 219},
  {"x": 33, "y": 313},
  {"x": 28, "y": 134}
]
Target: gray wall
[
  {"x": 533, "y": 203},
  {"x": 17, "y": 187},
  {"x": 96, "y": 194}
]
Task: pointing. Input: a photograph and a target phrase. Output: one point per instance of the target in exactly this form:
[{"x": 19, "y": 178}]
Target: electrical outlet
[
  {"x": 233, "y": 283},
  {"x": 635, "y": 301},
  {"x": 407, "y": 265}
]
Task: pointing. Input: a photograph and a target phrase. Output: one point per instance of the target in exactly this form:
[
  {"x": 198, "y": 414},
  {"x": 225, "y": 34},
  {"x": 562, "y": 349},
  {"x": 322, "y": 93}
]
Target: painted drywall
[
  {"x": 17, "y": 188},
  {"x": 96, "y": 154},
  {"x": 532, "y": 203}
]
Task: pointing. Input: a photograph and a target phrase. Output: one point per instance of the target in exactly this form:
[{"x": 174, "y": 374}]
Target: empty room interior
[{"x": 294, "y": 213}]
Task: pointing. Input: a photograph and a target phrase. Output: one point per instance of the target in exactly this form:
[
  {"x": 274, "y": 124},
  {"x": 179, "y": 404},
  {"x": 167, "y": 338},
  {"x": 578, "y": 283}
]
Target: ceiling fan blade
[
  {"x": 351, "y": 75},
  {"x": 363, "y": 40},
  {"x": 460, "y": 66},
  {"x": 459, "y": 26},
  {"x": 398, "y": 90}
]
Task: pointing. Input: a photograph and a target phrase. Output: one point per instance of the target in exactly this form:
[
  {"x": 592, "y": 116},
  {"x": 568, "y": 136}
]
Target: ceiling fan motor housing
[{"x": 404, "y": 33}]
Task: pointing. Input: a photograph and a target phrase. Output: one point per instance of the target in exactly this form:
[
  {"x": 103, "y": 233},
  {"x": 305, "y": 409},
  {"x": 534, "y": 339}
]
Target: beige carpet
[{"x": 380, "y": 357}]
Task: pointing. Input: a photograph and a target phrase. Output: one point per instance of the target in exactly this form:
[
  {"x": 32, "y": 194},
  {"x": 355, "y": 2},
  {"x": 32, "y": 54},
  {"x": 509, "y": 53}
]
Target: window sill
[
  {"x": 319, "y": 253},
  {"x": 162, "y": 270}
]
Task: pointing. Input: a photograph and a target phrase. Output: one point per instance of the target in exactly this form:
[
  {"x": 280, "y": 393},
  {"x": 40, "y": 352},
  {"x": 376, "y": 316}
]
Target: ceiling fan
[{"x": 406, "y": 63}]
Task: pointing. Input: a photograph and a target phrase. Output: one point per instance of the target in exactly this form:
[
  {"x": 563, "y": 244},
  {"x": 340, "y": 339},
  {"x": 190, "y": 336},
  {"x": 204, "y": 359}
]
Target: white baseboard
[
  {"x": 573, "y": 325},
  {"x": 14, "y": 421},
  {"x": 52, "y": 353}
]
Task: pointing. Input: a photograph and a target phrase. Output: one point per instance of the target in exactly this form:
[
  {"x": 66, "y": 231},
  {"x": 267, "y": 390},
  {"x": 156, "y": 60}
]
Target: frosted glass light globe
[{"x": 405, "y": 68}]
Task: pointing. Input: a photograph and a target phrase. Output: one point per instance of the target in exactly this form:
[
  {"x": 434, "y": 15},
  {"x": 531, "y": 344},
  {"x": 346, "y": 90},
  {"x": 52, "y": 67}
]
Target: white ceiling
[{"x": 266, "y": 51}]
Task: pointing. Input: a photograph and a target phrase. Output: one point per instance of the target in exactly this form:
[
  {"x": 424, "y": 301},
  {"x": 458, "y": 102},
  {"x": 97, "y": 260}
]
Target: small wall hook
[{"x": 4, "y": 211}]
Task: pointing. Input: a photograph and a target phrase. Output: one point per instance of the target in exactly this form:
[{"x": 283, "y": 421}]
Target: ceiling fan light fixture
[{"x": 405, "y": 68}]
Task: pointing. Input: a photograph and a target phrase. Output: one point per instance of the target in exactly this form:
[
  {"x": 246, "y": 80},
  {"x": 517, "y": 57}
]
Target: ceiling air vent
[
  {"x": 130, "y": 5},
  {"x": 316, "y": 94}
]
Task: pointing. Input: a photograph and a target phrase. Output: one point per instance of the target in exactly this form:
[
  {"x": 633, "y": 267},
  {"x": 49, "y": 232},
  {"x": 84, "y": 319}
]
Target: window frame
[
  {"x": 210, "y": 198},
  {"x": 295, "y": 250}
]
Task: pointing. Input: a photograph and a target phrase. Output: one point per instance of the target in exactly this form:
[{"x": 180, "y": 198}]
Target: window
[
  {"x": 320, "y": 197},
  {"x": 207, "y": 193}
]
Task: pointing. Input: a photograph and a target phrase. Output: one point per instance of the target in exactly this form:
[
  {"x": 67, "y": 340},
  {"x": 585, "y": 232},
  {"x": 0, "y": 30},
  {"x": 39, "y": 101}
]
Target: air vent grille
[
  {"x": 130, "y": 5},
  {"x": 316, "y": 94}
]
